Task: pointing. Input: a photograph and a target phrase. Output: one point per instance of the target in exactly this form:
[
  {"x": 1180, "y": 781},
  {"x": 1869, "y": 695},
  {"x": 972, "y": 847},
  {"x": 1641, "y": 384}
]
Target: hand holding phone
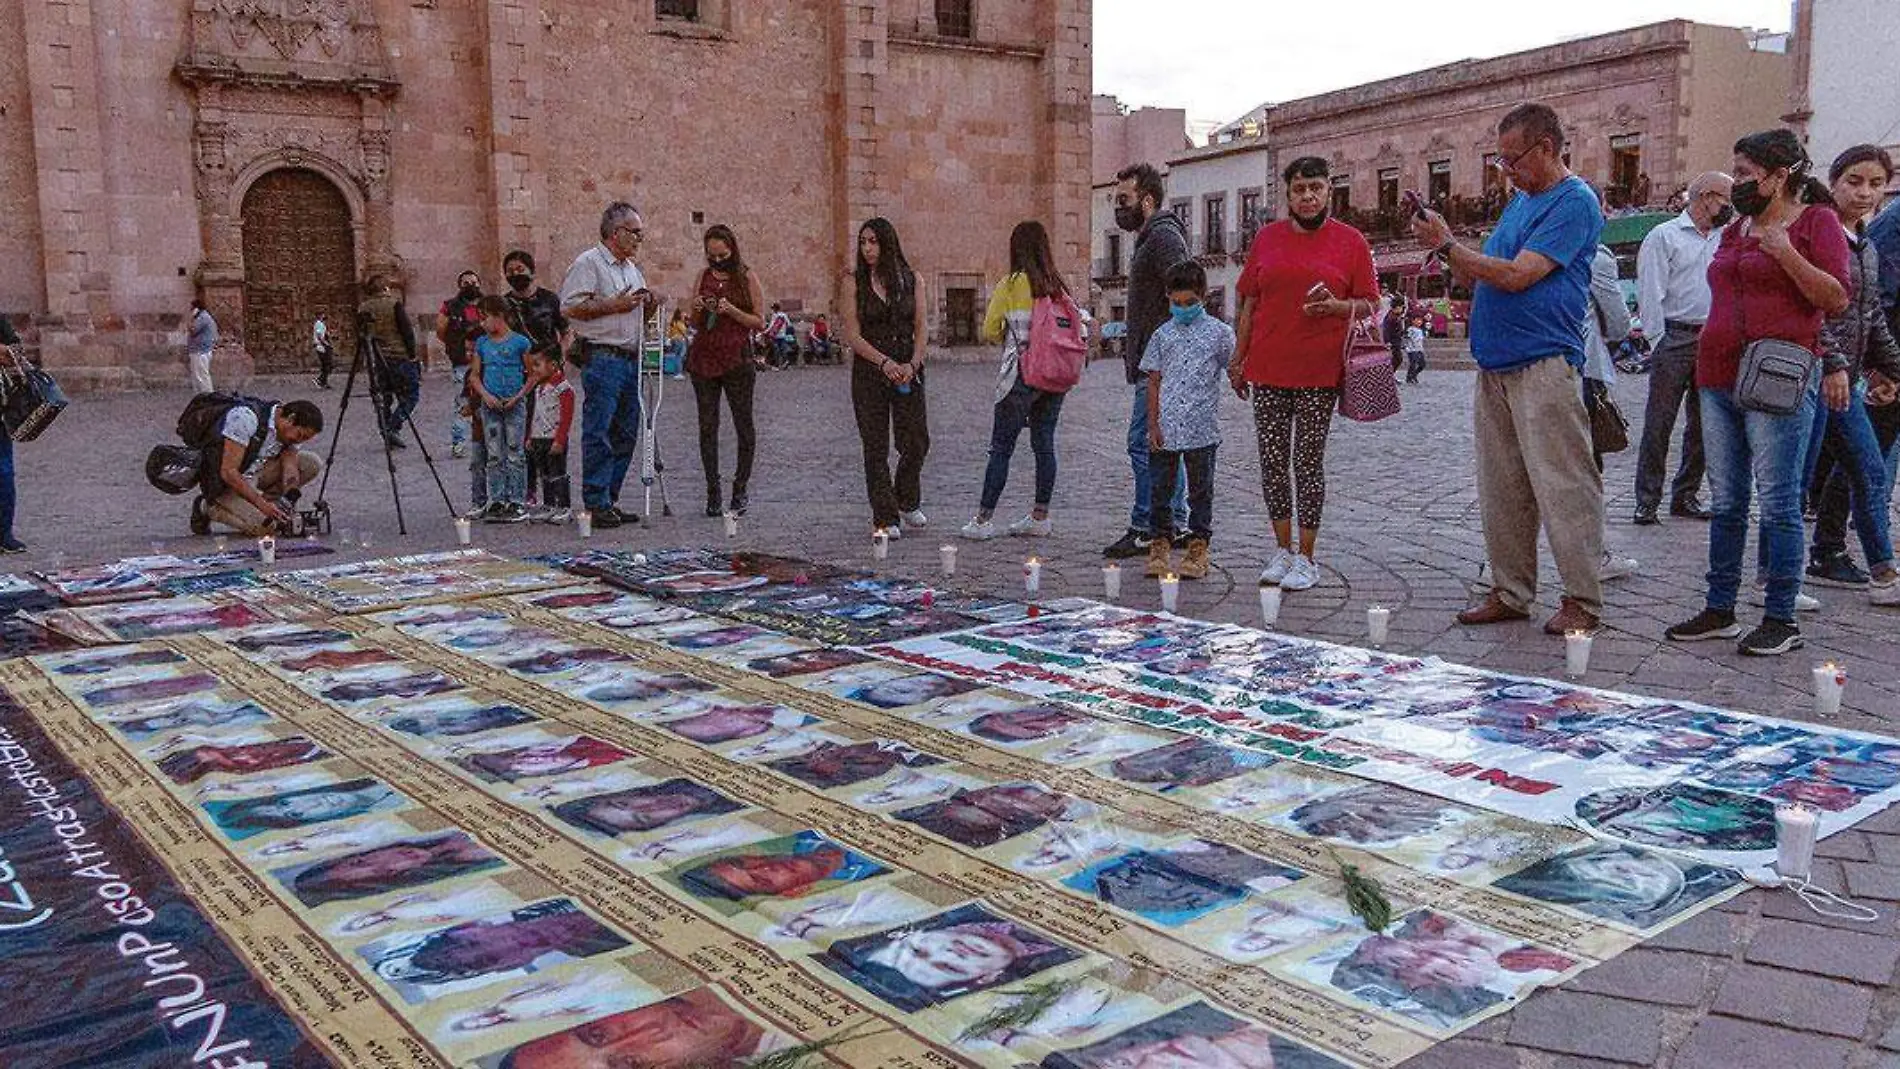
[
  {"x": 1414, "y": 204},
  {"x": 1319, "y": 292}
]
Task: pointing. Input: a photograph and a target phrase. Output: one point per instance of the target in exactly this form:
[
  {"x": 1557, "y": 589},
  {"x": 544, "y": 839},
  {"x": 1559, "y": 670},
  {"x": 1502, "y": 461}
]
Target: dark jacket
[
  {"x": 7, "y": 336},
  {"x": 1160, "y": 245},
  {"x": 1860, "y": 338}
]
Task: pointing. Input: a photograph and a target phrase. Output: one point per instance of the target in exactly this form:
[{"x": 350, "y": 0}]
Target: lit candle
[
  {"x": 1112, "y": 581},
  {"x": 1378, "y": 623},
  {"x": 584, "y": 523},
  {"x": 1170, "y": 592},
  {"x": 732, "y": 524},
  {"x": 948, "y": 554},
  {"x": 220, "y": 543},
  {"x": 1270, "y": 605},
  {"x": 464, "y": 531},
  {"x": 1830, "y": 682},
  {"x": 1577, "y": 653},
  {"x": 267, "y": 550},
  {"x": 1796, "y": 828},
  {"x": 1032, "y": 577},
  {"x": 880, "y": 544}
]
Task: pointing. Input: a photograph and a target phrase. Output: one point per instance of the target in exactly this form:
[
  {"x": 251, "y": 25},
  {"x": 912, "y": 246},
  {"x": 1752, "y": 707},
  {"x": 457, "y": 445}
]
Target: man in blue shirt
[{"x": 1530, "y": 288}]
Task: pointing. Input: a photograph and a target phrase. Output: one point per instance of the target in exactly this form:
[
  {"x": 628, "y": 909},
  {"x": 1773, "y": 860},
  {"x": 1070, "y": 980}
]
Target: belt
[
  {"x": 614, "y": 350},
  {"x": 1677, "y": 324}
]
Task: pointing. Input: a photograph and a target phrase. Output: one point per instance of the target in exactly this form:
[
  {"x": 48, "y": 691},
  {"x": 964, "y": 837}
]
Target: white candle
[
  {"x": 1378, "y": 623},
  {"x": 267, "y": 550},
  {"x": 880, "y": 544},
  {"x": 732, "y": 524},
  {"x": 1170, "y": 592},
  {"x": 1577, "y": 653},
  {"x": 1270, "y": 605},
  {"x": 464, "y": 531},
  {"x": 948, "y": 554},
  {"x": 1830, "y": 682},
  {"x": 1796, "y": 828},
  {"x": 584, "y": 523},
  {"x": 1032, "y": 577},
  {"x": 1111, "y": 581}
]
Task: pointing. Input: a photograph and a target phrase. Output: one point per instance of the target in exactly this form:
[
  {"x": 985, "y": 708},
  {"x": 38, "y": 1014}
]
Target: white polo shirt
[{"x": 597, "y": 275}]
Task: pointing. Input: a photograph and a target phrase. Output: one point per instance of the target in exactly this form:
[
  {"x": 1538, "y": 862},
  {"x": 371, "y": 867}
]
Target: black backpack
[{"x": 201, "y": 428}]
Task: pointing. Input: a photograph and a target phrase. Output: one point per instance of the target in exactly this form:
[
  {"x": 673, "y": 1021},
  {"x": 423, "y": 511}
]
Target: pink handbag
[{"x": 1369, "y": 391}]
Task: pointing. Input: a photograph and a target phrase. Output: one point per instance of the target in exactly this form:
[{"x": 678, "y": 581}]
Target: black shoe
[
  {"x": 1645, "y": 518},
  {"x": 714, "y": 509},
  {"x": 1132, "y": 544},
  {"x": 200, "y": 516},
  {"x": 1771, "y": 639},
  {"x": 1837, "y": 570},
  {"x": 394, "y": 441},
  {"x": 739, "y": 501},
  {"x": 1707, "y": 624},
  {"x": 625, "y": 516},
  {"x": 1689, "y": 509},
  {"x": 607, "y": 518},
  {"x": 12, "y": 545}
]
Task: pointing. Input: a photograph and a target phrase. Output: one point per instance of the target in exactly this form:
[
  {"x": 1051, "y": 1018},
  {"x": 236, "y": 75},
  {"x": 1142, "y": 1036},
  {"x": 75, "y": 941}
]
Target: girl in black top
[{"x": 884, "y": 329}]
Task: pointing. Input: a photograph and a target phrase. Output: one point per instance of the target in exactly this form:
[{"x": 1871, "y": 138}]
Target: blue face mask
[{"x": 1186, "y": 315}]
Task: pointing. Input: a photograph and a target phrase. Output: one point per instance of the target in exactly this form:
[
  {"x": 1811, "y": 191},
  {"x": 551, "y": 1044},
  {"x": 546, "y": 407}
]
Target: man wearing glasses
[
  {"x": 606, "y": 298},
  {"x": 1530, "y": 292},
  {"x": 1672, "y": 296}
]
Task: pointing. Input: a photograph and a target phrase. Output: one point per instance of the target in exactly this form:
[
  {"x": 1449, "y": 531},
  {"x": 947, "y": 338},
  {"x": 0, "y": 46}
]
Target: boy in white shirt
[{"x": 550, "y": 421}]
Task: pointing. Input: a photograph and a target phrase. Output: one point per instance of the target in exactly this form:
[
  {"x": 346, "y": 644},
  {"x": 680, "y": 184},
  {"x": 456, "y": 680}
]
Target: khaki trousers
[
  {"x": 274, "y": 480},
  {"x": 1535, "y": 469}
]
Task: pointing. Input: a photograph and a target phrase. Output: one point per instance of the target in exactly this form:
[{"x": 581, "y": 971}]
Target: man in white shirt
[
  {"x": 259, "y": 467},
  {"x": 326, "y": 356},
  {"x": 1672, "y": 297},
  {"x": 606, "y": 298}
]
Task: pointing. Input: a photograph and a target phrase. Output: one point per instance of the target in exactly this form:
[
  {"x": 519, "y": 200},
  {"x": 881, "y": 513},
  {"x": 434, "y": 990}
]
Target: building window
[
  {"x": 1249, "y": 218},
  {"x": 956, "y": 19},
  {"x": 1493, "y": 202},
  {"x": 1389, "y": 191},
  {"x": 683, "y": 10},
  {"x": 1438, "y": 184},
  {"x": 1342, "y": 196},
  {"x": 1626, "y": 169},
  {"x": 959, "y": 321},
  {"x": 1215, "y": 243},
  {"x": 1114, "y": 256}
]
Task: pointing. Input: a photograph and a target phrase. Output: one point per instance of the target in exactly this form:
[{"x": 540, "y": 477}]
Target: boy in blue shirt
[
  {"x": 499, "y": 371},
  {"x": 1186, "y": 364}
]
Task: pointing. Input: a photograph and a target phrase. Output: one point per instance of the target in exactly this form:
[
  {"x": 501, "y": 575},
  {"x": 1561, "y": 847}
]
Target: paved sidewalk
[{"x": 1760, "y": 982}]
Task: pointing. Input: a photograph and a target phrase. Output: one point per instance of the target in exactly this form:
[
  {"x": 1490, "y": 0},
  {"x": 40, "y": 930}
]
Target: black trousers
[
  {"x": 737, "y": 386},
  {"x": 548, "y": 469},
  {"x": 1671, "y": 386},
  {"x": 326, "y": 364},
  {"x": 1163, "y": 467},
  {"x": 886, "y": 417},
  {"x": 1833, "y": 485}
]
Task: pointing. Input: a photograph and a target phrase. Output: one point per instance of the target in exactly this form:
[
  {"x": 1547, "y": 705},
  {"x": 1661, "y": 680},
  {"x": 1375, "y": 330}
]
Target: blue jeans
[
  {"x": 1860, "y": 468},
  {"x": 6, "y": 488},
  {"x": 1141, "y": 517},
  {"x": 458, "y": 423},
  {"x": 1751, "y": 450},
  {"x": 610, "y": 427},
  {"x": 504, "y": 437},
  {"x": 1023, "y": 404},
  {"x": 403, "y": 389},
  {"x": 478, "y": 473}
]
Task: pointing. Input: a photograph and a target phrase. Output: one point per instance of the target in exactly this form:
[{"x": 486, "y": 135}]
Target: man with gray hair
[
  {"x": 1672, "y": 297},
  {"x": 605, "y": 297}
]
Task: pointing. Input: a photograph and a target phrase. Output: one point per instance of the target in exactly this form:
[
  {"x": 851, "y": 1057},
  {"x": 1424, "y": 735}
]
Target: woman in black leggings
[{"x": 884, "y": 329}]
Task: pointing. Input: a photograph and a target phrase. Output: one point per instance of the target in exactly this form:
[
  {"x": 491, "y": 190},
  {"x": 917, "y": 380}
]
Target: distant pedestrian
[
  {"x": 386, "y": 321},
  {"x": 1414, "y": 351},
  {"x": 606, "y": 298},
  {"x": 1184, "y": 363},
  {"x": 1160, "y": 243},
  {"x": 1782, "y": 269},
  {"x": 457, "y": 323},
  {"x": 782, "y": 338},
  {"x": 201, "y": 339},
  {"x": 1535, "y": 465},
  {"x": 726, "y": 303},
  {"x": 678, "y": 336},
  {"x": 326, "y": 354},
  {"x": 1392, "y": 328},
  {"x": 8, "y": 542},
  {"x": 884, "y": 328}
]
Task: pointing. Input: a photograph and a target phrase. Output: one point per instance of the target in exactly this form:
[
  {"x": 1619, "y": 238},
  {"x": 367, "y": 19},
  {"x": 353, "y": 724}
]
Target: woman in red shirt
[
  {"x": 726, "y": 310},
  {"x": 1290, "y": 347},
  {"x": 1780, "y": 271}
]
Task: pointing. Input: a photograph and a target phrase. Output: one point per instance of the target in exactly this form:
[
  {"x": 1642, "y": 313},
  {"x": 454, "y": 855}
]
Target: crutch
[{"x": 652, "y": 385}]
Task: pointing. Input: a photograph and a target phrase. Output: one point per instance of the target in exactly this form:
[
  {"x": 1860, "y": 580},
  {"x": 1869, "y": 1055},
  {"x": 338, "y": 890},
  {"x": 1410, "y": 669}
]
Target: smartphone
[
  {"x": 1414, "y": 204},
  {"x": 1319, "y": 292}
]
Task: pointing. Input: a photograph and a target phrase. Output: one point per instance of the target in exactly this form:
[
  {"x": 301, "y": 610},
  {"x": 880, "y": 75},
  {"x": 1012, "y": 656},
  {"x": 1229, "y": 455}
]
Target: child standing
[
  {"x": 550, "y": 420},
  {"x": 499, "y": 372},
  {"x": 1414, "y": 350},
  {"x": 1186, "y": 361}
]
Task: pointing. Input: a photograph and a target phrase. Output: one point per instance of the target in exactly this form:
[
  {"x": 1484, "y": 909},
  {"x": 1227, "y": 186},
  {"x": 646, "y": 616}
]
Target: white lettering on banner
[{"x": 21, "y": 902}]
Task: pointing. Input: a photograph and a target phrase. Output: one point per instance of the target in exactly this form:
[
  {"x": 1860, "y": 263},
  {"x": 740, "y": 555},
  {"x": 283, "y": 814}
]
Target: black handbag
[
  {"x": 1775, "y": 375},
  {"x": 174, "y": 469},
  {"x": 29, "y": 398},
  {"x": 1609, "y": 431}
]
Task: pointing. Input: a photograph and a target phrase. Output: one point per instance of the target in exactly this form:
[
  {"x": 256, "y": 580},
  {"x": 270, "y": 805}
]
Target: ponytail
[
  {"x": 1811, "y": 190},
  {"x": 1776, "y": 149}
]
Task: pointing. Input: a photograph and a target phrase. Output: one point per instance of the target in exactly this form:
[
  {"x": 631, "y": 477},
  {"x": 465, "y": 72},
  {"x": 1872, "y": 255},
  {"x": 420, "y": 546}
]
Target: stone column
[
  {"x": 519, "y": 160},
  {"x": 1067, "y": 144}
]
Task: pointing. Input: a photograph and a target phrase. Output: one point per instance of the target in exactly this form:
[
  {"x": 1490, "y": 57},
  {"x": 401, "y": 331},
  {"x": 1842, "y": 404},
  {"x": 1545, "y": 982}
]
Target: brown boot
[
  {"x": 1493, "y": 610},
  {"x": 1195, "y": 564},
  {"x": 1572, "y": 617},
  {"x": 1160, "y": 557}
]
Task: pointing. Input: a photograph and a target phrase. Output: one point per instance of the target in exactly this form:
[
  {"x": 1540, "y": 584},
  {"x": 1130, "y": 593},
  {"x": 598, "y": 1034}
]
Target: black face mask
[
  {"x": 520, "y": 282},
  {"x": 725, "y": 266},
  {"x": 1748, "y": 198},
  {"x": 1314, "y": 222},
  {"x": 1723, "y": 217},
  {"x": 470, "y": 293},
  {"x": 1129, "y": 218}
]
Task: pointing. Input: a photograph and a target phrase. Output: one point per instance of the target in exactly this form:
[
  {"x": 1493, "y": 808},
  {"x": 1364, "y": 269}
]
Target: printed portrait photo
[
  {"x": 112, "y": 661},
  {"x": 336, "y": 660},
  {"x": 563, "y": 658},
  {"x": 390, "y": 867},
  {"x": 1682, "y": 816},
  {"x": 1621, "y": 883},
  {"x": 909, "y": 690},
  {"x": 1023, "y": 724},
  {"x": 1188, "y": 763},
  {"x": 150, "y": 691},
  {"x": 1197, "y": 1036},
  {"x": 456, "y": 717},
  {"x": 545, "y": 759},
  {"x": 988, "y": 815},
  {"x": 696, "y": 1030},
  {"x": 194, "y": 763},
  {"x": 422, "y": 966},
  {"x": 645, "y": 809},
  {"x": 261, "y": 640},
  {"x": 1375, "y": 814},
  {"x": 833, "y": 764},
  {"x": 1272, "y": 925},
  {"x": 246, "y": 817},
  {"x": 726, "y": 723},
  {"x": 1175, "y": 885},
  {"x": 945, "y": 957},
  {"x": 805, "y": 662},
  {"x": 612, "y": 685},
  {"x": 205, "y": 713},
  {"x": 792, "y": 866},
  {"x": 406, "y": 684}
]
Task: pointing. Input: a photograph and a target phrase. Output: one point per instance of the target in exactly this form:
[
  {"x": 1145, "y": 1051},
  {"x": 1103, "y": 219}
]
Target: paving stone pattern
[{"x": 1759, "y": 982}]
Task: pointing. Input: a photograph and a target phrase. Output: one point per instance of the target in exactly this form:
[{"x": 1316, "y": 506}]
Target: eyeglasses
[
  {"x": 637, "y": 232},
  {"x": 1510, "y": 163}
]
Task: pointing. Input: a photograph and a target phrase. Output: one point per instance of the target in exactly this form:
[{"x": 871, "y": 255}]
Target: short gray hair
[
  {"x": 611, "y": 219},
  {"x": 1537, "y": 121}
]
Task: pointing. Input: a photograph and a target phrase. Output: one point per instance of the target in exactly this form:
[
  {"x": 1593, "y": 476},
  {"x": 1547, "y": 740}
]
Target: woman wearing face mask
[
  {"x": 534, "y": 312},
  {"x": 884, "y": 329},
  {"x": 726, "y": 305},
  {"x": 1779, "y": 273},
  {"x": 1307, "y": 278},
  {"x": 1855, "y": 442}
]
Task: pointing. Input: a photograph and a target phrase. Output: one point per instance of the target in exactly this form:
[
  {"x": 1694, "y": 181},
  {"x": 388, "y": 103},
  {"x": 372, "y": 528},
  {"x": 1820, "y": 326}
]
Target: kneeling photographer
[{"x": 253, "y": 470}]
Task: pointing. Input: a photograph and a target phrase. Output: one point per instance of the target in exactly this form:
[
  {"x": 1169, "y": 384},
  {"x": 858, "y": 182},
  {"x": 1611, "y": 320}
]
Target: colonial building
[
  {"x": 1846, "y": 83},
  {"x": 269, "y": 154}
]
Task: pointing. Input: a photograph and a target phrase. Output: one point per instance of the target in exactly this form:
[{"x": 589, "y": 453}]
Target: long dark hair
[
  {"x": 1776, "y": 149},
  {"x": 741, "y": 284},
  {"x": 1858, "y": 155},
  {"x": 1029, "y": 253},
  {"x": 892, "y": 269}
]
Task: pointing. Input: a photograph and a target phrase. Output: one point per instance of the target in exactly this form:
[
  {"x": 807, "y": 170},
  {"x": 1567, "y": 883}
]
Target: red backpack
[{"x": 1053, "y": 359}]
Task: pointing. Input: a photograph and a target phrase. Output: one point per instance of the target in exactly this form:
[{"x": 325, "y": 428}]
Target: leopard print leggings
[{"x": 1289, "y": 459}]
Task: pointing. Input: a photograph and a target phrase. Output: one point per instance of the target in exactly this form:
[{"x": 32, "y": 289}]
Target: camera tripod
[{"x": 369, "y": 353}]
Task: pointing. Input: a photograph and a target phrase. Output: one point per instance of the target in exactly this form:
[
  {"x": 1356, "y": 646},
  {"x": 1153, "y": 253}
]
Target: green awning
[{"x": 1632, "y": 229}]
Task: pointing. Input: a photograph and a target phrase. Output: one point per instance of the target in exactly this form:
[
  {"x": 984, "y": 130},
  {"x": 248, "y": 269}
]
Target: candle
[
  {"x": 584, "y": 523},
  {"x": 948, "y": 554},
  {"x": 880, "y": 544},
  {"x": 1795, "y": 831},
  {"x": 1378, "y": 622},
  {"x": 1270, "y": 605},
  {"x": 1112, "y": 581},
  {"x": 1032, "y": 577},
  {"x": 732, "y": 524},
  {"x": 267, "y": 550},
  {"x": 1170, "y": 592},
  {"x": 1830, "y": 681},
  {"x": 1577, "y": 653},
  {"x": 220, "y": 543},
  {"x": 463, "y": 531}
]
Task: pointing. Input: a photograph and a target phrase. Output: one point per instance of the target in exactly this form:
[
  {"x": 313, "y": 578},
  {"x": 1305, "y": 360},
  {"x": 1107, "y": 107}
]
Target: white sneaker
[
  {"x": 1758, "y": 597},
  {"x": 895, "y": 533},
  {"x": 557, "y": 516},
  {"x": 1031, "y": 527},
  {"x": 1302, "y": 575},
  {"x": 1276, "y": 568},
  {"x": 1884, "y": 592},
  {"x": 978, "y": 530},
  {"x": 459, "y": 450},
  {"x": 916, "y": 518},
  {"x": 479, "y": 512},
  {"x": 1615, "y": 567}
]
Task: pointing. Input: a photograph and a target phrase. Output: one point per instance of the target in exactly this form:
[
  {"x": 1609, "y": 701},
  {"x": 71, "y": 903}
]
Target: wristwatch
[{"x": 1443, "y": 252}]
